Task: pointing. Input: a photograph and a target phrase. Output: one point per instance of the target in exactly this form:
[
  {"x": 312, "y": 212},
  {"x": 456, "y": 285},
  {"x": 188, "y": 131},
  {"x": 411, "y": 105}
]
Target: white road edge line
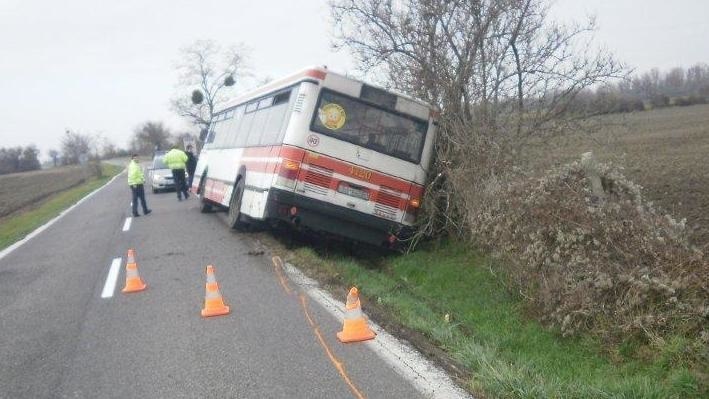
[
  {"x": 126, "y": 225},
  {"x": 428, "y": 378},
  {"x": 43, "y": 227},
  {"x": 110, "y": 286}
]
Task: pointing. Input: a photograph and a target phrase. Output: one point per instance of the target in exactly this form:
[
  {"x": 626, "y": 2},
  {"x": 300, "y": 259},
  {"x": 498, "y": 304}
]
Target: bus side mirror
[{"x": 203, "y": 134}]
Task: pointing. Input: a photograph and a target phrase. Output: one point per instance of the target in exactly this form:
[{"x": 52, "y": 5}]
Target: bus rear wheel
[{"x": 235, "y": 218}]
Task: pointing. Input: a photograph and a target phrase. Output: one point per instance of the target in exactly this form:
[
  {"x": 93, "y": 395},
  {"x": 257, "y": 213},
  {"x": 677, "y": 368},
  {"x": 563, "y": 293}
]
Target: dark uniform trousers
[
  {"x": 178, "y": 176},
  {"x": 138, "y": 194}
]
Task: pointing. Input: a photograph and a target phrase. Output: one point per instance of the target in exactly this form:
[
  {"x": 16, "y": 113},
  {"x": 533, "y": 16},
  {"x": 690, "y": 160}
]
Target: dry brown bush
[{"x": 596, "y": 259}]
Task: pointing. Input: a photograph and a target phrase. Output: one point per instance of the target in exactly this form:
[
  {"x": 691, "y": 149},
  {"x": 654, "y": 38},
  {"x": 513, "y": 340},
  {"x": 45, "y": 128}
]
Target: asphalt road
[{"x": 60, "y": 338}]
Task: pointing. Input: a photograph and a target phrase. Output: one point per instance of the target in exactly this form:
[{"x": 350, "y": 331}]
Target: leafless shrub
[{"x": 598, "y": 259}]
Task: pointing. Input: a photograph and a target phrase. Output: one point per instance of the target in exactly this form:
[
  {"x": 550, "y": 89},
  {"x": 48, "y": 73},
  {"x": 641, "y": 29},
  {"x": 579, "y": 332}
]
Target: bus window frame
[
  {"x": 314, "y": 128},
  {"x": 290, "y": 88}
]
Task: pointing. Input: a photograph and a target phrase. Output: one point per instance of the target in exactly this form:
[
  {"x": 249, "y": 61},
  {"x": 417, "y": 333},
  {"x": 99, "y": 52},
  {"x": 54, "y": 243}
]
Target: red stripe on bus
[
  {"x": 315, "y": 73},
  {"x": 346, "y": 168},
  {"x": 215, "y": 190},
  {"x": 357, "y": 172},
  {"x": 414, "y": 190},
  {"x": 269, "y": 164}
]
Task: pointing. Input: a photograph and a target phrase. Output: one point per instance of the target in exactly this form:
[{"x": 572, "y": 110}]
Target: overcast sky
[{"x": 106, "y": 66}]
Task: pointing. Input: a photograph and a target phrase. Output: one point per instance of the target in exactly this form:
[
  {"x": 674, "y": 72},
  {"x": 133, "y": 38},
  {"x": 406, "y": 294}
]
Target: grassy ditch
[
  {"x": 501, "y": 353},
  {"x": 16, "y": 226}
]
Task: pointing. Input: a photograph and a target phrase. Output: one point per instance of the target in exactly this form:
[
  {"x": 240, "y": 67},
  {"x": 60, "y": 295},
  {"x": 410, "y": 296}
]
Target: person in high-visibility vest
[
  {"x": 176, "y": 160},
  {"x": 136, "y": 179}
]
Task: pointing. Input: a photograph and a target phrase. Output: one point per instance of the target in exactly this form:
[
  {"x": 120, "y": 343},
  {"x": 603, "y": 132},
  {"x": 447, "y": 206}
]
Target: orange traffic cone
[
  {"x": 213, "y": 301},
  {"x": 133, "y": 281},
  {"x": 355, "y": 326}
]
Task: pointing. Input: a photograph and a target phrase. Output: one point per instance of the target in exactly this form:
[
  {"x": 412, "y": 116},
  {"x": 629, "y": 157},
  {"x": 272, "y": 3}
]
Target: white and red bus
[{"x": 322, "y": 152}]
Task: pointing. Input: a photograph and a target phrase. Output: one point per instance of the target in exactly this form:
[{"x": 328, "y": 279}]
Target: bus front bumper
[{"x": 320, "y": 216}]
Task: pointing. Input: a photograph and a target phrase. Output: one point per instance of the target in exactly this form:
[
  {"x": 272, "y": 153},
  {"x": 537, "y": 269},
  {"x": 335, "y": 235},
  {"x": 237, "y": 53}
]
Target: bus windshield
[{"x": 370, "y": 126}]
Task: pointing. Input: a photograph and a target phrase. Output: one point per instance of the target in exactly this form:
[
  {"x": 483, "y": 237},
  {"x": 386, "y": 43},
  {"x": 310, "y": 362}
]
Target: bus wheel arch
[
  {"x": 235, "y": 218},
  {"x": 204, "y": 204}
]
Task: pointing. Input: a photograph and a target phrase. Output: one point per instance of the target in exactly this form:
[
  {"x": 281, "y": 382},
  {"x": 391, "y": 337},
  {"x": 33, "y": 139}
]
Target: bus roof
[{"x": 314, "y": 73}]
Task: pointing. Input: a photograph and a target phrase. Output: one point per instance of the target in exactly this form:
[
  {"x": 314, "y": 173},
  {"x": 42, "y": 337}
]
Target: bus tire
[
  {"x": 235, "y": 218},
  {"x": 204, "y": 205}
]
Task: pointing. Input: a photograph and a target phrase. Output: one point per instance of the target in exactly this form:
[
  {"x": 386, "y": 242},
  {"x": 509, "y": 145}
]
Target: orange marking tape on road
[
  {"x": 339, "y": 366},
  {"x": 278, "y": 265},
  {"x": 336, "y": 362}
]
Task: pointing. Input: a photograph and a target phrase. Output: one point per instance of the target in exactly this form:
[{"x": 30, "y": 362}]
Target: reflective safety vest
[
  {"x": 175, "y": 159},
  {"x": 135, "y": 174}
]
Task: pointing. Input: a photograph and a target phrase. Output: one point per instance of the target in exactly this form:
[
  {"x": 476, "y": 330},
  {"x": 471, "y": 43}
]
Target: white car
[{"x": 160, "y": 175}]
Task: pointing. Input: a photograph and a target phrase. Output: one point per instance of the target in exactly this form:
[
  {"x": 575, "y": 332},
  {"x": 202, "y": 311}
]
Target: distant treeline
[
  {"x": 653, "y": 89},
  {"x": 19, "y": 159}
]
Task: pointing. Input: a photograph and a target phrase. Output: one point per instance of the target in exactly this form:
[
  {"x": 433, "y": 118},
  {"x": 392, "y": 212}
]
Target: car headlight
[{"x": 158, "y": 179}]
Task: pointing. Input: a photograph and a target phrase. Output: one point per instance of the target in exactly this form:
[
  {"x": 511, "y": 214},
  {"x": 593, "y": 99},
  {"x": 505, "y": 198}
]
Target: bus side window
[
  {"x": 251, "y": 107},
  {"x": 281, "y": 98},
  {"x": 257, "y": 127},
  {"x": 243, "y": 131},
  {"x": 222, "y": 131},
  {"x": 291, "y": 100},
  {"x": 227, "y": 133},
  {"x": 274, "y": 122},
  {"x": 238, "y": 118}
]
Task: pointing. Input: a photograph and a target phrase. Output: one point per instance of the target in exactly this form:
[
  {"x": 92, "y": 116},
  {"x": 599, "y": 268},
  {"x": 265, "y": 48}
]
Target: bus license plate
[{"x": 353, "y": 191}]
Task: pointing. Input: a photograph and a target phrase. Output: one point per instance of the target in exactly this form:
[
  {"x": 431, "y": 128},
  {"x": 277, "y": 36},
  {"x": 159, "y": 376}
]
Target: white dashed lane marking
[
  {"x": 126, "y": 225},
  {"x": 111, "y": 279}
]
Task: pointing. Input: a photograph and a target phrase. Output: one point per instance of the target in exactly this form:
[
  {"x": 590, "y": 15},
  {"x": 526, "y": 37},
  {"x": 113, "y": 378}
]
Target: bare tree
[
  {"x": 30, "y": 158},
  {"x": 150, "y": 136},
  {"x": 19, "y": 159},
  {"x": 698, "y": 78},
  {"x": 205, "y": 74},
  {"x": 108, "y": 148},
  {"x": 54, "y": 154},
  {"x": 10, "y": 159},
  {"x": 674, "y": 80},
  {"x": 75, "y": 146},
  {"x": 500, "y": 70},
  {"x": 479, "y": 60},
  {"x": 690, "y": 86},
  {"x": 180, "y": 139}
]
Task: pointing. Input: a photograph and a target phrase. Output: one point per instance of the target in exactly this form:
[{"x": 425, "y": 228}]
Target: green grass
[
  {"x": 508, "y": 355},
  {"x": 16, "y": 227}
]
